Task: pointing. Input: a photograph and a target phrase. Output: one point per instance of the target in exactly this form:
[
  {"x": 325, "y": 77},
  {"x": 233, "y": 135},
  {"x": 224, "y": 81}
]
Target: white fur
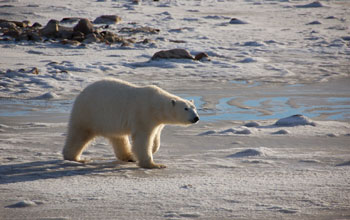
[{"x": 116, "y": 110}]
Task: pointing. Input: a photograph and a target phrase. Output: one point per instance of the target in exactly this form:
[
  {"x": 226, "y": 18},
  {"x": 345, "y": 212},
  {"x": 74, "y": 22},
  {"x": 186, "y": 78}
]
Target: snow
[{"x": 273, "y": 98}]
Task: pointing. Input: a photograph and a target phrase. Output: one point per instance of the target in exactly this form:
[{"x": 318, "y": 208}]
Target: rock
[
  {"x": 237, "y": 21},
  {"x": 79, "y": 36},
  {"x": 35, "y": 71},
  {"x": 177, "y": 41},
  {"x": 244, "y": 131},
  {"x": 51, "y": 29},
  {"x": 252, "y": 124},
  {"x": 13, "y": 32},
  {"x": 172, "y": 54},
  {"x": 36, "y": 25},
  {"x": 125, "y": 44},
  {"x": 202, "y": 56},
  {"x": 107, "y": 19},
  {"x": 91, "y": 38},
  {"x": 22, "y": 204},
  {"x": 8, "y": 24},
  {"x": 110, "y": 37},
  {"x": 65, "y": 32},
  {"x": 70, "y": 20},
  {"x": 248, "y": 153},
  {"x": 84, "y": 26},
  {"x": 21, "y": 24},
  {"x": 315, "y": 4},
  {"x": 313, "y": 23}
]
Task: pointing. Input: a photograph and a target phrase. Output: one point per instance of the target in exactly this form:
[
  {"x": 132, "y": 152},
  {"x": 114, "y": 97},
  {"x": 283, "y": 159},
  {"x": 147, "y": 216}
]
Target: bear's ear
[
  {"x": 173, "y": 102},
  {"x": 192, "y": 101}
]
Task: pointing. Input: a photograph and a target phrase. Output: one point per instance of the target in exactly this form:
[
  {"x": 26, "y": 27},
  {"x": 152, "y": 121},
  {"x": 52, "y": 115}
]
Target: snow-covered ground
[{"x": 246, "y": 159}]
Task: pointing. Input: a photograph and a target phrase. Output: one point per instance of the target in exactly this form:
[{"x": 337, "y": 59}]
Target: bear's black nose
[{"x": 195, "y": 119}]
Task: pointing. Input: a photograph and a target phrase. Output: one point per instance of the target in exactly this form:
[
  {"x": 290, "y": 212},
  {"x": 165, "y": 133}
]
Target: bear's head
[{"x": 183, "y": 112}]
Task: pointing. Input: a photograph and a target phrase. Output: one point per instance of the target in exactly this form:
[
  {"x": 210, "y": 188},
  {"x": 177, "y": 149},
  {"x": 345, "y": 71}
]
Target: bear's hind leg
[
  {"x": 156, "y": 142},
  {"x": 77, "y": 141},
  {"x": 122, "y": 148}
]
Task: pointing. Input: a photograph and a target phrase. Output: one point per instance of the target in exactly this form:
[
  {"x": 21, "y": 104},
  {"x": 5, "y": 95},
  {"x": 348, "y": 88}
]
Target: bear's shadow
[{"x": 52, "y": 169}]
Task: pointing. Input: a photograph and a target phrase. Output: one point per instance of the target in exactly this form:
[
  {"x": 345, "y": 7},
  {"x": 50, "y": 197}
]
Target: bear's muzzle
[{"x": 195, "y": 119}]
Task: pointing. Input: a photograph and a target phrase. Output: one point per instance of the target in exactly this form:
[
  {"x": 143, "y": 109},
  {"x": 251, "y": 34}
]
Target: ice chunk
[{"x": 295, "y": 120}]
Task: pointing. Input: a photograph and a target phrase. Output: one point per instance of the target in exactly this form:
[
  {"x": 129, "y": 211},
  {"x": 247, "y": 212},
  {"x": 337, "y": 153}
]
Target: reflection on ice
[{"x": 330, "y": 108}]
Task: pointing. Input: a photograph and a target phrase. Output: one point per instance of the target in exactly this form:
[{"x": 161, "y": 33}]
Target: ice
[
  {"x": 295, "y": 120},
  {"x": 48, "y": 95}
]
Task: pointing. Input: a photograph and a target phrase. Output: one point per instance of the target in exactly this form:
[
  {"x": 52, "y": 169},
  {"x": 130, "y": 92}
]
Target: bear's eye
[{"x": 186, "y": 109}]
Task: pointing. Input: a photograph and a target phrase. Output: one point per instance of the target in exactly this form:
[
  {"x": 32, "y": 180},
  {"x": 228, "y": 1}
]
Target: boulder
[
  {"x": 237, "y": 21},
  {"x": 202, "y": 56},
  {"x": 36, "y": 25},
  {"x": 79, "y": 36},
  {"x": 107, "y": 19},
  {"x": 91, "y": 38},
  {"x": 51, "y": 29},
  {"x": 8, "y": 24},
  {"x": 70, "y": 20},
  {"x": 65, "y": 32},
  {"x": 84, "y": 26},
  {"x": 13, "y": 32},
  {"x": 172, "y": 54},
  {"x": 110, "y": 37}
]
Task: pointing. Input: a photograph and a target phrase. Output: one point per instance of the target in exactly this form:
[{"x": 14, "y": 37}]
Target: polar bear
[{"x": 116, "y": 109}]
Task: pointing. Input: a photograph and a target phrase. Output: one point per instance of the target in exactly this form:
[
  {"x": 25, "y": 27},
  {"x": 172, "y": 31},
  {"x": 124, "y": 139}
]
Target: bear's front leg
[{"x": 142, "y": 149}]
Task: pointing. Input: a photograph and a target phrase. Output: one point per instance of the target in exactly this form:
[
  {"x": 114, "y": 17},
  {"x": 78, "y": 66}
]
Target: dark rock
[
  {"x": 125, "y": 44},
  {"x": 147, "y": 41},
  {"x": 91, "y": 38},
  {"x": 178, "y": 41},
  {"x": 107, "y": 19},
  {"x": 84, "y": 26},
  {"x": 65, "y": 32},
  {"x": 8, "y": 24},
  {"x": 202, "y": 56},
  {"x": 21, "y": 24},
  {"x": 70, "y": 20},
  {"x": 36, "y": 25},
  {"x": 172, "y": 54},
  {"x": 34, "y": 36},
  {"x": 79, "y": 36},
  {"x": 315, "y": 4},
  {"x": 252, "y": 124},
  {"x": 51, "y": 29},
  {"x": 110, "y": 37},
  {"x": 35, "y": 71},
  {"x": 13, "y": 32},
  {"x": 313, "y": 23},
  {"x": 237, "y": 21}
]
